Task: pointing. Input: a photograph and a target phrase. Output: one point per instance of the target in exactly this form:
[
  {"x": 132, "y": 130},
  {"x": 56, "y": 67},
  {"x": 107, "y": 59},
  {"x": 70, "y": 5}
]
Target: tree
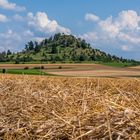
[
  {"x": 26, "y": 47},
  {"x": 50, "y": 39},
  {"x": 83, "y": 44},
  {"x": 57, "y": 36},
  {"x": 54, "y": 49},
  {"x": 82, "y": 57},
  {"x": 3, "y": 57},
  {"x": 29, "y": 46},
  {"x": 9, "y": 52},
  {"x": 36, "y": 47}
]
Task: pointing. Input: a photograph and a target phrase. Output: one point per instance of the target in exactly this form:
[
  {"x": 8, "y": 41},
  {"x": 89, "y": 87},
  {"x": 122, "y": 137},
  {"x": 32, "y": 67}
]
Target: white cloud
[
  {"x": 125, "y": 48},
  {"x": 91, "y": 36},
  {"x": 91, "y": 17},
  {"x": 28, "y": 33},
  {"x": 3, "y": 18},
  {"x": 15, "y": 40},
  {"x": 125, "y": 26},
  {"x": 38, "y": 39},
  {"x": 121, "y": 33},
  {"x": 129, "y": 38},
  {"x": 34, "y": 27},
  {"x": 108, "y": 27},
  {"x": 42, "y": 23},
  {"x": 128, "y": 19},
  {"x": 5, "y": 4},
  {"x": 10, "y": 34},
  {"x": 9, "y": 40}
]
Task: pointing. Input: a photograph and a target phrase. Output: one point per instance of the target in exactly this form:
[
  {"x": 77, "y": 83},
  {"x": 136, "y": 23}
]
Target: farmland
[
  {"x": 79, "y": 70},
  {"x": 67, "y": 108},
  {"x": 69, "y": 102}
]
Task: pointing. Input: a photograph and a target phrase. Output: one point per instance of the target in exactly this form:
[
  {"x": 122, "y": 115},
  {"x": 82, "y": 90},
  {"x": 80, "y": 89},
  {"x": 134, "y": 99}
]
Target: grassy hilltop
[{"x": 63, "y": 48}]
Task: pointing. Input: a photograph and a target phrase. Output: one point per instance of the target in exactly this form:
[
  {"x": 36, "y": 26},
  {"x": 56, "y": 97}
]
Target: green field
[
  {"x": 28, "y": 71},
  {"x": 119, "y": 64}
]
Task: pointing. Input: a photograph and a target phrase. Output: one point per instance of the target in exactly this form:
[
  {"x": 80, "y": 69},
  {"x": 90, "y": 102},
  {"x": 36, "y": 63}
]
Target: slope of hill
[{"x": 61, "y": 48}]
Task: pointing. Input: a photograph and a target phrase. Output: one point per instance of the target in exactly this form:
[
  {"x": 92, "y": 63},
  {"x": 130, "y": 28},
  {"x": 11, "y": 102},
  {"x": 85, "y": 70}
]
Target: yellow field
[{"x": 58, "y": 108}]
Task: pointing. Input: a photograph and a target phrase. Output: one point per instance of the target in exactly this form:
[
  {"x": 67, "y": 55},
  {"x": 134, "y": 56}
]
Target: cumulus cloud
[
  {"x": 5, "y": 4},
  {"x": 121, "y": 32},
  {"x": 34, "y": 27},
  {"x": 3, "y": 18},
  {"x": 128, "y": 19},
  {"x": 9, "y": 40},
  {"x": 126, "y": 22},
  {"x": 15, "y": 40},
  {"x": 42, "y": 23},
  {"x": 91, "y": 17}
]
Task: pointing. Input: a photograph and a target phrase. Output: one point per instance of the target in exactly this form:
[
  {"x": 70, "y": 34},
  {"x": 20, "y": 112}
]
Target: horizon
[{"x": 113, "y": 27}]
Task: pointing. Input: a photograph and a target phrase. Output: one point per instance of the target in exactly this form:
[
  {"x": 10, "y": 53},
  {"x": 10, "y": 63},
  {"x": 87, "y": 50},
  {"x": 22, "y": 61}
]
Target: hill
[{"x": 61, "y": 48}]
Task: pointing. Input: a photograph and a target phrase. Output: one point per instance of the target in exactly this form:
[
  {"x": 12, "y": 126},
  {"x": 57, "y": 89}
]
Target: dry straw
[{"x": 55, "y": 108}]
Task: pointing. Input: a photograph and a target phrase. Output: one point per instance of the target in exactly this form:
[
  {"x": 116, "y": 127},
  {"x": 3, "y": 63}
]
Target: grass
[
  {"x": 28, "y": 71},
  {"x": 117, "y": 64},
  {"x": 62, "y": 108},
  {"x": 113, "y": 64}
]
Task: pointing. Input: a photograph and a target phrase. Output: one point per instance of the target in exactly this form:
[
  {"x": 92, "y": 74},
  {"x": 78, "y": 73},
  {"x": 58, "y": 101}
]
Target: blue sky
[{"x": 112, "y": 26}]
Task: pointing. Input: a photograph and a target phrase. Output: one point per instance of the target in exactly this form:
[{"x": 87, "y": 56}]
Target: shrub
[
  {"x": 42, "y": 67},
  {"x": 3, "y": 70},
  {"x": 36, "y": 67},
  {"x": 26, "y": 68},
  {"x": 16, "y": 61},
  {"x": 60, "y": 67}
]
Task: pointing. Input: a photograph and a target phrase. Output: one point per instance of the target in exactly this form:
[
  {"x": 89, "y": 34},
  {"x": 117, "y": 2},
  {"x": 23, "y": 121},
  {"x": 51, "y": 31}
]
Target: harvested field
[
  {"x": 55, "y": 108},
  {"x": 99, "y": 73},
  {"x": 136, "y": 67}
]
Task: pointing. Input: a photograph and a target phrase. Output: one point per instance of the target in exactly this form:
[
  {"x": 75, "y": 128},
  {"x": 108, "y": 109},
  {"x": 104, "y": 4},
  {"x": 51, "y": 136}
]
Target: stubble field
[{"x": 61, "y": 108}]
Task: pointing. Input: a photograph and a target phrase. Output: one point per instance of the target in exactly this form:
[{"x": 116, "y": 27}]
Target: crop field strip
[
  {"x": 58, "y": 108},
  {"x": 98, "y": 73}
]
